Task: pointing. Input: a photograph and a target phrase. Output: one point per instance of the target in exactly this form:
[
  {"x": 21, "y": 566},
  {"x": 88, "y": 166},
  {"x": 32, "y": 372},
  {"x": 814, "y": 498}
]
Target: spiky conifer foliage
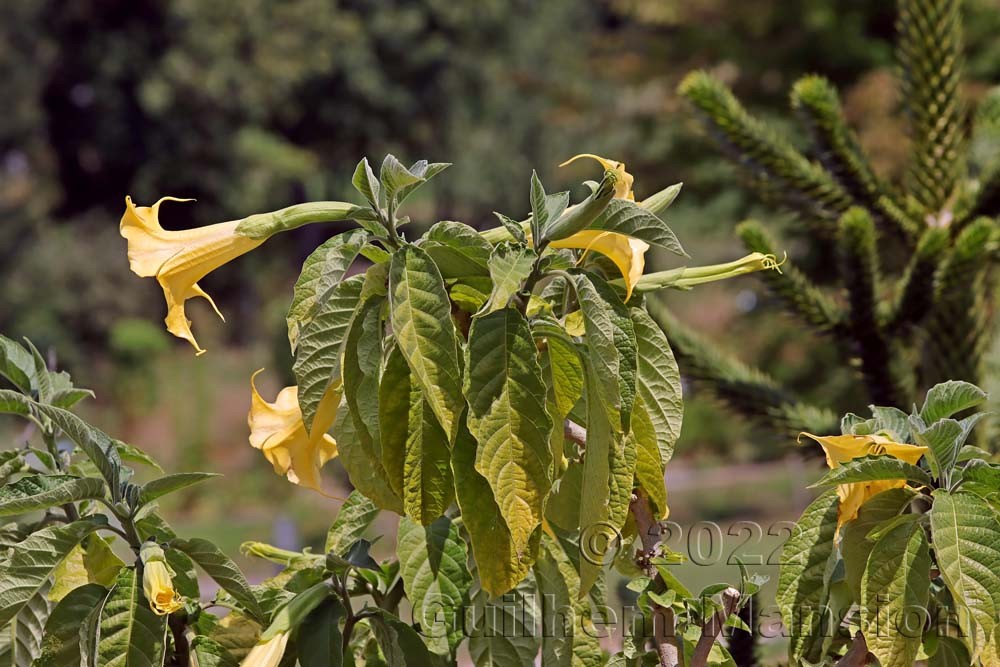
[{"x": 914, "y": 291}]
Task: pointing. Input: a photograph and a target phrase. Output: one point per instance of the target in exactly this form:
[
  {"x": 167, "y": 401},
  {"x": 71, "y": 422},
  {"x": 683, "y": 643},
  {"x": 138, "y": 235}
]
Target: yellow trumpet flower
[
  {"x": 268, "y": 654},
  {"x": 623, "y": 189},
  {"x": 157, "y": 583},
  {"x": 178, "y": 260},
  {"x": 278, "y": 431},
  {"x": 842, "y": 448},
  {"x": 627, "y": 253}
]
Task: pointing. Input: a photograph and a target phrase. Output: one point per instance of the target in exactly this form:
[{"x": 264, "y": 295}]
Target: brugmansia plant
[
  {"x": 898, "y": 560},
  {"x": 913, "y": 264},
  {"x": 505, "y": 393}
]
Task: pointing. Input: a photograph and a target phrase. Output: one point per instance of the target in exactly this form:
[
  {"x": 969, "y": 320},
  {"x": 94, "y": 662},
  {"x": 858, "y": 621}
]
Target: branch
[
  {"x": 857, "y": 655},
  {"x": 713, "y": 627}
]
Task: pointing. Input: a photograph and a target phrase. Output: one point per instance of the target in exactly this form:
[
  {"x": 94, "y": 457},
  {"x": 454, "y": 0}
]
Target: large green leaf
[
  {"x": 500, "y": 565},
  {"x": 982, "y": 478},
  {"x": 98, "y": 446},
  {"x": 420, "y": 313},
  {"x": 353, "y": 519},
  {"x": 945, "y": 399},
  {"x": 628, "y": 218},
  {"x": 222, "y": 570},
  {"x": 362, "y": 371},
  {"x": 34, "y": 559},
  {"x": 509, "y": 265},
  {"x": 942, "y": 439},
  {"x": 131, "y": 634},
  {"x": 854, "y": 543},
  {"x": 211, "y": 653},
  {"x": 365, "y": 472},
  {"x": 894, "y": 594},
  {"x": 507, "y": 416},
  {"x": 568, "y": 634},
  {"x": 658, "y": 382},
  {"x": 428, "y": 488},
  {"x": 611, "y": 346},
  {"x": 43, "y": 491},
  {"x": 649, "y": 465},
  {"x": 873, "y": 468},
  {"x": 966, "y": 534},
  {"x": 803, "y": 583},
  {"x": 17, "y": 365},
  {"x": 317, "y": 357},
  {"x": 950, "y": 652},
  {"x": 432, "y": 563},
  {"x": 505, "y": 632},
  {"x": 161, "y": 486},
  {"x": 458, "y": 250},
  {"x": 321, "y": 271},
  {"x": 21, "y": 640},
  {"x": 319, "y": 641},
  {"x": 64, "y": 644},
  {"x": 400, "y": 644}
]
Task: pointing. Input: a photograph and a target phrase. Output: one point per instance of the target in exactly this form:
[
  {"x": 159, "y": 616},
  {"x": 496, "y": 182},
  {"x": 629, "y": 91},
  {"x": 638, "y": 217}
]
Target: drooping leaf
[
  {"x": 39, "y": 492},
  {"x": 945, "y": 399},
  {"x": 317, "y": 358},
  {"x": 942, "y": 439},
  {"x": 966, "y": 535},
  {"x": 421, "y": 322},
  {"x": 400, "y": 644},
  {"x": 362, "y": 369},
  {"x": 803, "y": 583},
  {"x": 854, "y": 543},
  {"x": 161, "y": 486},
  {"x": 432, "y": 563},
  {"x": 21, "y": 640},
  {"x": 509, "y": 267},
  {"x": 321, "y": 271},
  {"x": 353, "y": 519},
  {"x": 658, "y": 382},
  {"x": 33, "y": 560},
  {"x": 359, "y": 462},
  {"x": 63, "y": 645},
  {"x": 131, "y": 634},
  {"x": 458, "y": 250},
  {"x": 649, "y": 465},
  {"x": 500, "y": 565},
  {"x": 873, "y": 468},
  {"x": 896, "y": 583},
  {"x": 628, "y": 218},
  {"x": 223, "y": 571},
  {"x": 319, "y": 640},
  {"x": 507, "y": 417},
  {"x": 504, "y": 629},
  {"x": 98, "y": 446},
  {"x": 611, "y": 346}
]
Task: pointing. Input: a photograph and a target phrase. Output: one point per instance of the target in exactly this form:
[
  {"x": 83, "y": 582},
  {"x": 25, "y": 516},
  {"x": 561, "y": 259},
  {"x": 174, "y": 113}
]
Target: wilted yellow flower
[
  {"x": 623, "y": 189},
  {"x": 277, "y": 430},
  {"x": 178, "y": 260},
  {"x": 268, "y": 654},
  {"x": 842, "y": 448},
  {"x": 156, "y": 581},
  {"x": 627, "y": 253}
]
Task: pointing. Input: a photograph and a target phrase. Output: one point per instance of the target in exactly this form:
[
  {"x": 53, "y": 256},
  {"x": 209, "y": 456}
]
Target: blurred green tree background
[{"x": 255, "y": 105}]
